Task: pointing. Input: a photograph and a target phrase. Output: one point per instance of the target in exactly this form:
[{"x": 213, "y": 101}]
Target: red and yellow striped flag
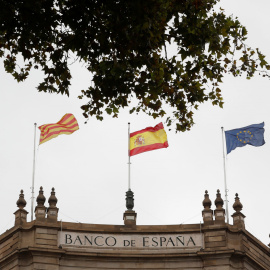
[
  {"x": 67, "y": 125},
  {"x": 150, "y": 138}
]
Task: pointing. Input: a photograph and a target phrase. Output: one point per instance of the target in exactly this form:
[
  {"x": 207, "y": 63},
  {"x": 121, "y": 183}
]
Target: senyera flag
[
  {"x": 67, "y": 125},
  {"x": 148, "y": 139}
]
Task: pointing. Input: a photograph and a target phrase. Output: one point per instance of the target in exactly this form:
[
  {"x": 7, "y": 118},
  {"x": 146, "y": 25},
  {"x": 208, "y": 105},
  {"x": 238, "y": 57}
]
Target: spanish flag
[
  {"x": 67, "y": 125},
  {"x": 148, "y": 139}
]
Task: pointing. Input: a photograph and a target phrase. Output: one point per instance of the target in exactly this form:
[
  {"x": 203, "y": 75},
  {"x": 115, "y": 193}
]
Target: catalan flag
[
  {"x": 67, "y": 125},
  {"x": 148, "y": 139}
]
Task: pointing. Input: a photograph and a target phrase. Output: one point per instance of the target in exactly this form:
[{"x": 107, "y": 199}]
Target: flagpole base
[
  {"x": 129, "y": 200},
  {"x": 130, "y": 215}
]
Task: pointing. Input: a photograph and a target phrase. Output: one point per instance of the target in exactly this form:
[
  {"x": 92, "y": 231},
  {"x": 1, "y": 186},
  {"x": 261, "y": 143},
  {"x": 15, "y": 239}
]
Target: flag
[
  {"x": 148, "y": 139},
  {"x": 253, "y": 135},
  {"x": 67, "y": 125}
]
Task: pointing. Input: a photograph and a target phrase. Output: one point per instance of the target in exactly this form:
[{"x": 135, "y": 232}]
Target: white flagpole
[
  {"x": 33, "y": 176},
  {"x": 225, "y": 172},
  {"x": 129, "y": 156}
]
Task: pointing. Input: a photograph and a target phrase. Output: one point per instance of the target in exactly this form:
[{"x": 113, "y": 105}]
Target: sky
[{"x": 89, "y": 169}]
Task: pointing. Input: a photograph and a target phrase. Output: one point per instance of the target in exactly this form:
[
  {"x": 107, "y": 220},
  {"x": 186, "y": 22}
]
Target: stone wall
[{"x": 37, "y": 245}]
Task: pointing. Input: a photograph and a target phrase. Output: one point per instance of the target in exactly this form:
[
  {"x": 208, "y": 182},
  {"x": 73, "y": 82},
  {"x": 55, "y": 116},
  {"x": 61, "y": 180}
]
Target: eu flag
[{"x": 253, "y": 135}]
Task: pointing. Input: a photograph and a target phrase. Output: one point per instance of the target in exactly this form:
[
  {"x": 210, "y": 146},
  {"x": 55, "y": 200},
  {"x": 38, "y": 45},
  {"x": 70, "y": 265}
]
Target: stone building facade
[{"x": 46, "y": 243}]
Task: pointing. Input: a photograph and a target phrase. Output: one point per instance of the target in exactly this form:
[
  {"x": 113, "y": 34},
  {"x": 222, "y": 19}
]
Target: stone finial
[
  {"x": 41, "y": 198},
  {"x": 207, "y": 213},
  {"x": 52, "y": 200},
  {"x": 40, "y": 210},
  {"x": 219, "y": 201},
  {"x": 219, "y": 211},
  {"x": 21, "y": 213},
  {"x": 238, "y": 216},
  {"x": 237, "y": 206},
  {"x": 206, "y": 202},
  {"x": 21, "y": 203},
  {"x": 52, "y": 211}
]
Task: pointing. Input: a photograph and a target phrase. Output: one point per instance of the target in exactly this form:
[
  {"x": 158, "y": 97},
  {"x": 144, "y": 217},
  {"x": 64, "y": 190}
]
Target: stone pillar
[
  {"x": 21, "y": 213},
  {"x": 219, "y": 211},
  {"x": 52, "y": 211},
  {"x": 40, "y": 210},
  {"x": 238, "y": 217},
  {"x": 130, "y": 217},
  {"x": 207, "y": 213}
]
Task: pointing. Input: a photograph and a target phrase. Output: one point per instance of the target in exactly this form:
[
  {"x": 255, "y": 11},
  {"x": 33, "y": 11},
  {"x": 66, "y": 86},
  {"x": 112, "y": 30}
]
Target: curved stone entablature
[
  {"x": 46, "y": 243},
  {"x": 73, "y": 244}
]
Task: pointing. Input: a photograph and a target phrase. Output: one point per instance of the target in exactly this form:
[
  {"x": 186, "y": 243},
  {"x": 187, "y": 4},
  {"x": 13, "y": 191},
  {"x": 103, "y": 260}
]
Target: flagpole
[
  {"x": 225, "y": 173},
  {"x": 129, "y": 156},
  {"x": 33, "y": 176}
]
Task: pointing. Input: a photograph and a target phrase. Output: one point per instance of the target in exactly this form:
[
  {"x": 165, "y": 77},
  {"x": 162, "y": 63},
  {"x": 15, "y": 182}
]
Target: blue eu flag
[{"x": 253, "y": 135}]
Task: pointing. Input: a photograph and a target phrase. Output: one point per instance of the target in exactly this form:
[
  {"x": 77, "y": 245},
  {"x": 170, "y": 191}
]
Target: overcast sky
[{"x": 89, "y": 168}]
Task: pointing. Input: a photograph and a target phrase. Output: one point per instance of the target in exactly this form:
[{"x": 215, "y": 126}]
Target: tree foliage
[{"x": 126, "y": 46}]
